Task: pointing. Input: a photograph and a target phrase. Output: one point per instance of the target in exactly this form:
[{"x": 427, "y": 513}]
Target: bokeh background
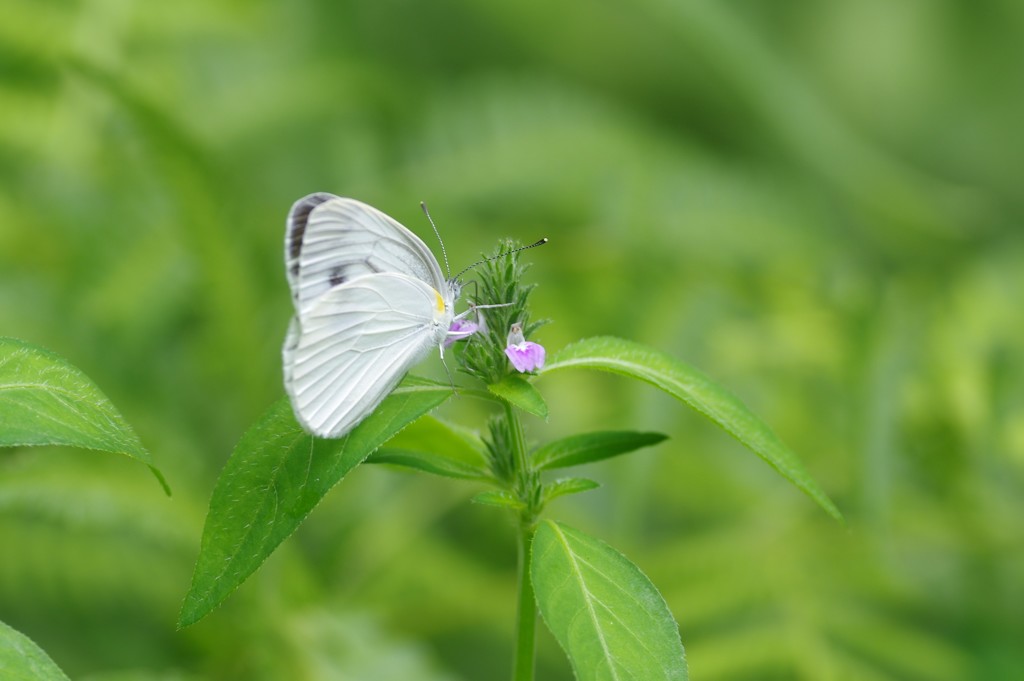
[{"x": 819, "y": 204}]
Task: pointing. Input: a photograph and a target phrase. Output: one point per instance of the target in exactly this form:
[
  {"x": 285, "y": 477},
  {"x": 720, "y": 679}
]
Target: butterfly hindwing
[{"x": 352, "y": 346}]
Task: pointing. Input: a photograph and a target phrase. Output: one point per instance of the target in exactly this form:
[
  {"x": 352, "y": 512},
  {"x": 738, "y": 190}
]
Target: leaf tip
[{"x": 162, "y": 480}]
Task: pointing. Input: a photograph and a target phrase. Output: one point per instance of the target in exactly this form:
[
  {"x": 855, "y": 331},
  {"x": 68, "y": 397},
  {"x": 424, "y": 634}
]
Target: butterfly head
[{"x": 454, "y": 289}]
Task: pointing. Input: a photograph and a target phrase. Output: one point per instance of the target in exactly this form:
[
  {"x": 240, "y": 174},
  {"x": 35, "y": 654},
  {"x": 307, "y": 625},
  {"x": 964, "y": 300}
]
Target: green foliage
[
  {"x": 605, "y": 613},
  {"x": 500, "y": 499},
  {"x": 276, "y": 475},
  {"x": 695, "y": 389},
  {"x": 589, "y": 447},
  {"x": 500, "y": 283},
  {"x": 433, "y": 446},
  {"x": 428, "y": 462},
  {"x": 831, "y": 228},
  {"x": 44, "y": 400},
  {"x": 565, "y": 486},
  {"x": 23, "y": 660},
  {"x": 521, "y": 393}
]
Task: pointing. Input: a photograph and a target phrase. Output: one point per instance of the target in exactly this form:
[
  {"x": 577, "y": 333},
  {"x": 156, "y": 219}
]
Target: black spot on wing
[
  {"x": 336, "y": 277},
  {"x": 298, "y": 217}
]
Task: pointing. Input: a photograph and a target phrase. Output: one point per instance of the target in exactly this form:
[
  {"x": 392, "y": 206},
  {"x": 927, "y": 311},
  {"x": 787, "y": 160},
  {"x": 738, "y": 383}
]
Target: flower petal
[
  {"x": 526, "y": 356},
  {"x": 460, "y": 330}
]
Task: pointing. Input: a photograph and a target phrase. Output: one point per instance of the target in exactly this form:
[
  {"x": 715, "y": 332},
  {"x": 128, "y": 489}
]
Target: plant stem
[
  {"x": 526, "y": 615},
  {"x": 526, "y": 611},
  {"x": 522, "y": 466}
]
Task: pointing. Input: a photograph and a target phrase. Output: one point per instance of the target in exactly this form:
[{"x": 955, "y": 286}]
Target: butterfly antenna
[
  {"x": 495, "y": 257},
  {"x": 444, "y": 253}
]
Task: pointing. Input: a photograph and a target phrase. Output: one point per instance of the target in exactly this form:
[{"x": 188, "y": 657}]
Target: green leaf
[
  {"x": 276, "y": 475},
  {"x": 520, "y": 393},
  {"x": 22, "y": 660},
  {"x": 429, "y": 462},
  {"x": 589, "y": 447},
  {"x": 699, "y": 392},
  {"x": 435, "y": 446},
  {"x": 44, "y": 400},
  {"x": 499, "y": 498},
  {"x": 564, "y": 486},
  {"x": 432, "y": 435},
  {"x": 605, "y": 613}
]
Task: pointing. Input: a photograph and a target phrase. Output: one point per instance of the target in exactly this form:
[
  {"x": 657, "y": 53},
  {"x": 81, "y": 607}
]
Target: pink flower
[
  {"x": 460, "y": 330},
  {"x": 525, "y": 355}
]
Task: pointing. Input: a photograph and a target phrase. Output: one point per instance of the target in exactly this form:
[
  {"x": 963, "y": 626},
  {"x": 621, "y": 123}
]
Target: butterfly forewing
[{"x": 332, "y": 240}]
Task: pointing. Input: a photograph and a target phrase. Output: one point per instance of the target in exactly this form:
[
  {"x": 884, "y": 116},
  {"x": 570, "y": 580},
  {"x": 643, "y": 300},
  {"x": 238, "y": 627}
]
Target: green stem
[
  {"x": 518, "y": 441},
  {"x": 526, "y": 612},
  {"x": 526, "y": 615}
]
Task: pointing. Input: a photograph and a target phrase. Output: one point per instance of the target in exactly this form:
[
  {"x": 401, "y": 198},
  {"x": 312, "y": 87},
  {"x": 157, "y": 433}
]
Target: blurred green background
[{"x": 819, "y": 204}]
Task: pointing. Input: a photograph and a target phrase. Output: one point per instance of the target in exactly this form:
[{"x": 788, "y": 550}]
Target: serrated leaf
[
  {"x": 276, "y": 475},
  {"x": 604, "y": 612},
  {"x": 498, "y": 498},
  {"x": 699, "y": 392},
  {"x": 520, "y": 393},
  {"x": 22, "y": 660},
  {"x": 560, "y": 488},
  {"x": 589, "y": 447},
  {"x": 45, "y": 400}
]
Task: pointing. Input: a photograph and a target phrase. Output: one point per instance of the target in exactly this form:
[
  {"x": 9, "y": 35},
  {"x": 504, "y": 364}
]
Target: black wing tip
[{"x": 298, "y": 218}]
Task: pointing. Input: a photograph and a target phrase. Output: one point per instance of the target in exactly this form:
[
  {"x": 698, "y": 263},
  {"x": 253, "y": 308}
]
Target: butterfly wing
[
  {"x": 331, "y": 240},
  {"x": 352, "y": 346}
]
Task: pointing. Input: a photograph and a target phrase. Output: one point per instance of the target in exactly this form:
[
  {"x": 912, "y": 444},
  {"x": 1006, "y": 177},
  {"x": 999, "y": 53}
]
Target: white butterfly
[{"x": 370, "y": 302}]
